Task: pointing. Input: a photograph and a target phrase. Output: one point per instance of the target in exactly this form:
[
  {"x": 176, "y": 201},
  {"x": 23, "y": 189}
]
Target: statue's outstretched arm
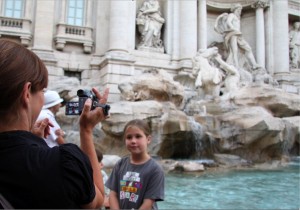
[{"x": 225, "y": 66}]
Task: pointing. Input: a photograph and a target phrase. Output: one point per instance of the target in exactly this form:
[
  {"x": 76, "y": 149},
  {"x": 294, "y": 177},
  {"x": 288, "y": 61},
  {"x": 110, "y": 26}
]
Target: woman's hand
[
  {"x": 41, "y": 128},
  {"x": 90, "y": 118},
  {"x": 59, "y": 132}
]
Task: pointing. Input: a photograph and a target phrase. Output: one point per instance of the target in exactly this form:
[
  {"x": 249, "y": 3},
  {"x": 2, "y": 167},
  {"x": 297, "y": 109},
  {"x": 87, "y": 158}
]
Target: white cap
[{"x": 51, "y": 99}]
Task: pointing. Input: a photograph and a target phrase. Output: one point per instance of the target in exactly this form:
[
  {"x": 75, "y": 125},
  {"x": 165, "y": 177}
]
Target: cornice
[
  {"x": 294, "y": 4},
  {"x": 294, "y": 9},
  {"x": 226, "y": 4}
]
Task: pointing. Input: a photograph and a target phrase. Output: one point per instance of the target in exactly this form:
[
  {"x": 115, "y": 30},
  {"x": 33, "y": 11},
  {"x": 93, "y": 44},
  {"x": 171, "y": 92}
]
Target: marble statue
[
  {"x": 149, "y": 21},
  {"x": 295, "y": 45},
  {"x": 228, "y": 25},
  {"x": 208, "y": 76},
  {"x": 210, "y": 73},
  {"x": 232, "y": 78},
  {"x": 260, "y": 76}
]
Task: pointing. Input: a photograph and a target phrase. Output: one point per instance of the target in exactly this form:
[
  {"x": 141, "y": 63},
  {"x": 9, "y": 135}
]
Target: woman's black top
[{"x": 34, "y": 176}]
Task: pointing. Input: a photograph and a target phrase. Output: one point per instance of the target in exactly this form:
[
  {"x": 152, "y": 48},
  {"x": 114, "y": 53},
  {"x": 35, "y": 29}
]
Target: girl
[{"x": 136, "y": 181}]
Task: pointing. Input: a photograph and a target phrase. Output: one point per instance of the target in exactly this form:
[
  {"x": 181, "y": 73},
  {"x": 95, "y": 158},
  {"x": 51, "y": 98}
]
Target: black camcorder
[{"x": 75, "y": 108}]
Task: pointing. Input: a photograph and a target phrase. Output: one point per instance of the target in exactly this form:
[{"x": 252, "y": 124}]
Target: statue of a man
[
  {"x": 229, "y": 26},
  {"x": 295, "y": 45},
  {"x": 149, "y": 21}
]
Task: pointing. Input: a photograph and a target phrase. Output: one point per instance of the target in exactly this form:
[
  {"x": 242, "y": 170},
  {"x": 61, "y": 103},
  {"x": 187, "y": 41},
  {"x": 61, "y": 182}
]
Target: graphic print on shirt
[{"x": 130, "y": 186}]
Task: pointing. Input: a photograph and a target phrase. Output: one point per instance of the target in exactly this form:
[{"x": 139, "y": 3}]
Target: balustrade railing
[
  {"x": 12, "y": 23},
  {"x": 75, "y": 31},
  {"x": 73, "y": 34},
  {"x": 17, "y": 28}
]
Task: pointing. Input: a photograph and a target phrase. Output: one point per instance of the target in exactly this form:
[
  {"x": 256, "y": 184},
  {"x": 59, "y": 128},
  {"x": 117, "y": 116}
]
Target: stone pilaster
[
  {"x": 28, "y": 10},
  {"x": 62, "y": 11},
  {"x": 43, "y": 22},
  {"x": 89, "y": 11},
  {"x": 43, "y": 31}
]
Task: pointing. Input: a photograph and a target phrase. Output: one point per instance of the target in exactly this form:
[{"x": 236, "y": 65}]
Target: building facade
[{"x": 97, "y": 41}]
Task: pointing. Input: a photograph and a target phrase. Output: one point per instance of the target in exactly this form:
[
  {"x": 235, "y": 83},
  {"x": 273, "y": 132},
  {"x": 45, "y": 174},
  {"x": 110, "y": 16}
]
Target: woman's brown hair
[{"x": 18, "y": 65}]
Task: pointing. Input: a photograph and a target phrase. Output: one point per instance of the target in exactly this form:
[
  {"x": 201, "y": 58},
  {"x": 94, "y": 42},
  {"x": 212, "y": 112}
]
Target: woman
[{"x": 33, "y": 175}]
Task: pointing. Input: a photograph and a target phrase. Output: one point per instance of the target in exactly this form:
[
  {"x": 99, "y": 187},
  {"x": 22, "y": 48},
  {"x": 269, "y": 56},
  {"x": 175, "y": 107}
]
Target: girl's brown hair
[
  {"x": 141, "y": 124},
  {"x": 18, "y": 65}
]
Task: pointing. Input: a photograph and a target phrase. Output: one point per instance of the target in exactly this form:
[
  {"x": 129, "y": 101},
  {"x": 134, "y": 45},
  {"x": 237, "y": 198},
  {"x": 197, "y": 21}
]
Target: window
[
  {"x": 75, "y": 12},
  {"x": 75, "y": 74},
  {"x": 13, "y": 8}
]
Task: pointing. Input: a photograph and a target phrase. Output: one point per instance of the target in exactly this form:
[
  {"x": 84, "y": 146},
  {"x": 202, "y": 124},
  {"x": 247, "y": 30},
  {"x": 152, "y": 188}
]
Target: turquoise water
[{"x": 243, "y": 189}]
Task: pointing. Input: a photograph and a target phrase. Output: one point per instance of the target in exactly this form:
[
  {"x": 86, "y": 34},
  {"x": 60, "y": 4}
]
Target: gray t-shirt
[{"x": 134, "y": 183}]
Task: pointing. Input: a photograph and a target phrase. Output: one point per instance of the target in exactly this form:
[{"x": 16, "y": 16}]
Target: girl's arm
[
  {"x": 113, "y": 200},
  {"x": 147, "y": 204}
]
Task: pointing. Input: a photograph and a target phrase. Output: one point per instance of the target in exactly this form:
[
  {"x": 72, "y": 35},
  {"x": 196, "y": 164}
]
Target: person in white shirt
[{"x": 52, "y": 103}]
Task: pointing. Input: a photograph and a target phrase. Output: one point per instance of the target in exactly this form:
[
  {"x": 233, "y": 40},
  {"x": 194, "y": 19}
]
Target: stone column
[
  {"x": 175, "y": 31},
  {"x": 281, "y": 36},
  {"x": 260, "y": 32},
  {"x": 167, "y": 36},
  {"x": 188, "y": 30},
  {"x": 202, "y": 26},
  {"x": 117, "y": 64},
  {"x": 118, "y": 30},
  {"x": 269, "y": 40}
]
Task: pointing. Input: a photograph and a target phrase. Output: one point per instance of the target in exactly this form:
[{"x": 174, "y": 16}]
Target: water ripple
[{"x": 272, "y": 189}]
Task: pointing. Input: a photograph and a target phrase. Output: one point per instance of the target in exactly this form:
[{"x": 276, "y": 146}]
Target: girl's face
[{"x": 136, "y": 141}]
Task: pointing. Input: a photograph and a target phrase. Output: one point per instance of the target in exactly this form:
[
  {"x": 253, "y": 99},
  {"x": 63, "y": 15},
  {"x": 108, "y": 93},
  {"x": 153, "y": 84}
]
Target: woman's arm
[
  {"x": 88, "y": 120},
  {"x": 60, "y": 136},
  {"x": 41, "y": 128}
]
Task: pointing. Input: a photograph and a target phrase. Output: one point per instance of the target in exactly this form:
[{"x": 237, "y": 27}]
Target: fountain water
[{"x": 235, "y": 189}]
